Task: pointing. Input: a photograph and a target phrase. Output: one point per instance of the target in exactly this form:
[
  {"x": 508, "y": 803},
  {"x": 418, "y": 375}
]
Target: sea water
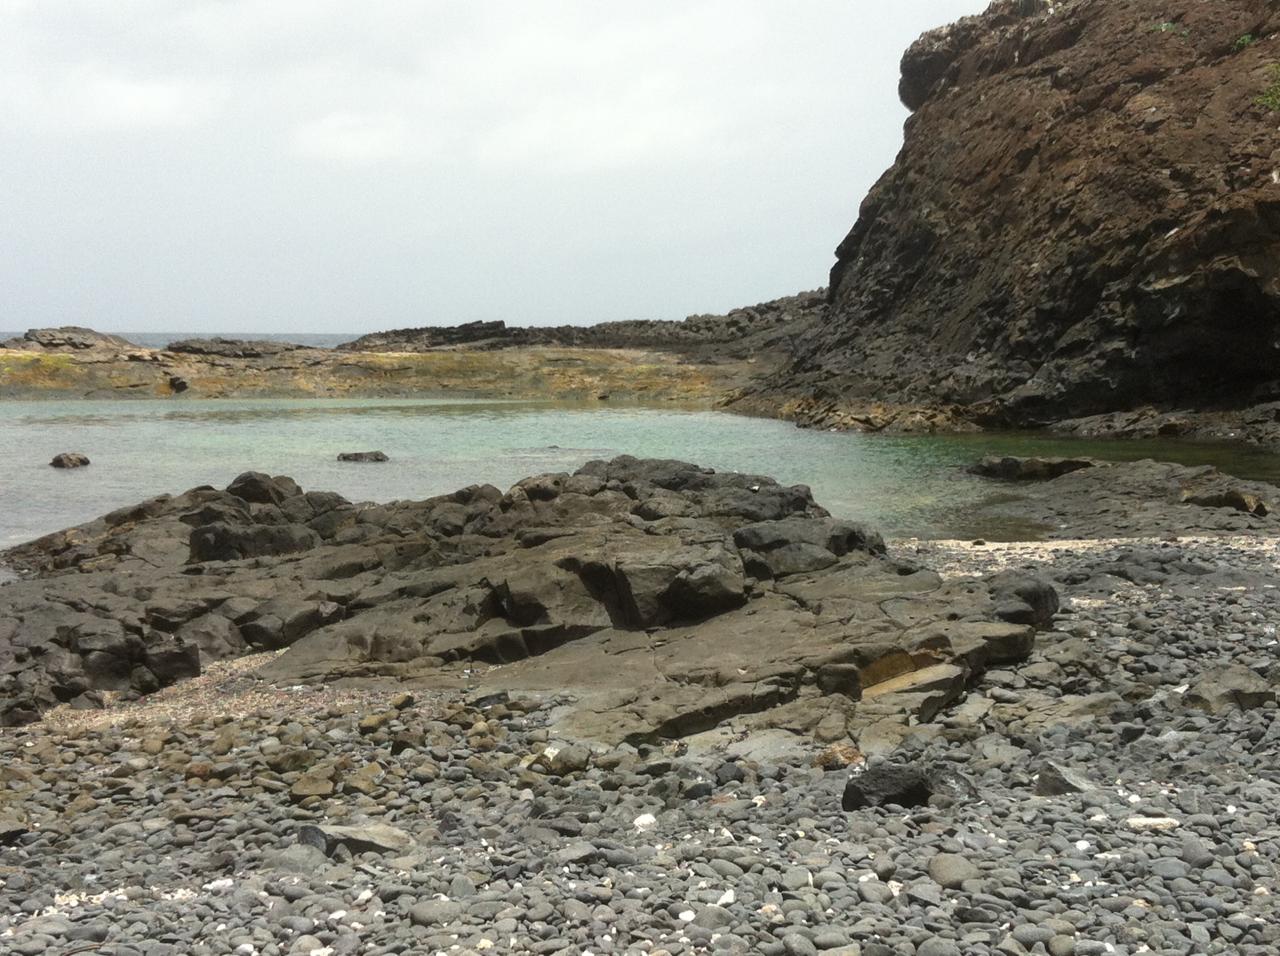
[{"x": 905, "y": 486}]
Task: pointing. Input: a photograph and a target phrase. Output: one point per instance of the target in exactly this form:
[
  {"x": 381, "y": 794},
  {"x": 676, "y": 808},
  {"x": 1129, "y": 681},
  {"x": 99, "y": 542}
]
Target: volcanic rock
[
  {"x": 69, "y": 459},
  {"x": 66, "y": 338},
  {"x": 739, "y": 601},
  {"x": 1228, "y": 687},
  {"x": 903, "y": 785},
  {"x": 1051, "y": 241},
  {"x": 1011, "y": 468}
]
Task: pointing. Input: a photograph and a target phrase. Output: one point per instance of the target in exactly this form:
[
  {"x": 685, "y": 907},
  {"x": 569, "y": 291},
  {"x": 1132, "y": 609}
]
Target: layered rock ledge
[{"x": 668, "y": 597}]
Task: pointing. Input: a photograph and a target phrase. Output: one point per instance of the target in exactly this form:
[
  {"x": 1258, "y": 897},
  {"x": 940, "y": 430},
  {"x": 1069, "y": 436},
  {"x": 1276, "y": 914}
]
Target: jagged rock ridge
[{"x": 744, "y": 331}]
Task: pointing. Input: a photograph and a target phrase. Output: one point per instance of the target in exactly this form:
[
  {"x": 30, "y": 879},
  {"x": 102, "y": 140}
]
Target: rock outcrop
[
  {"x": 1069, "y": 498},
  {"x": 1084, "y": 218},
  {"x": 232, "y": 348},
  {"x": 65, "y": 338},
  {"x": 673, "y": 598},
  {"x": 769, "y": 326},
  {"x": 69, "y": 459}
]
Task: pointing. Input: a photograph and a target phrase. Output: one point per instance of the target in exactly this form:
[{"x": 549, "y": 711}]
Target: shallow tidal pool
[{"x": 905, "y": 486}]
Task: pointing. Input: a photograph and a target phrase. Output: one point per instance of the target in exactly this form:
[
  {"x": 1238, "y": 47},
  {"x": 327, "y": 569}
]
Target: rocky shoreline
[
  {"x": 211, "y": 368},
  {"x": 723, "y": 362},
  {"x": 1095, "y": 719},
  {"x": 698, "y": 361}
]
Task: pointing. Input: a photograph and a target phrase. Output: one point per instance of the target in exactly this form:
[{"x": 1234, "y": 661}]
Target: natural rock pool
[{"x": 906, "y": 486}]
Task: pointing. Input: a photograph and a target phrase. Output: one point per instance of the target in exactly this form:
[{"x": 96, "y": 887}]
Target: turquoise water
[{"x": 902, "y": 485}]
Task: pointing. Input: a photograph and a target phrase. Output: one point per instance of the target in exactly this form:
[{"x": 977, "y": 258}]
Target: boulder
[
  {"x": 777, "y": 548},
  {"x": 1011, "y": 468},
  {"x": 70, "y": 459},
  {"x": 172, "y": 660},
  {"x": 363, "y": 456},
  {"x": 358, "y": 838},
  {"x": 1053, "y": 779},
  {"x": 1024, "y": 598},
  {"x": 1234, "y": 498},
  {"x": 226, "y": 542},
  {"x": 66, "y": 338},
  {"x": 284, "y": 620},
  {"x": 903, "y": 785},
  {"x": 231, "y": 348},
  {"x": 214, "y": 636},
  {"x": 254, "y": 486},
  {"x": 1229, "y": 687}
]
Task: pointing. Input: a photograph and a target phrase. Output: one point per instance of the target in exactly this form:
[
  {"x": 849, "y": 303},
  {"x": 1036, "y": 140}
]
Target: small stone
[
  {"x": 936, "y": 946},
  {"x": 950, "y": 871},
  {"x": 434, "y": 913}
]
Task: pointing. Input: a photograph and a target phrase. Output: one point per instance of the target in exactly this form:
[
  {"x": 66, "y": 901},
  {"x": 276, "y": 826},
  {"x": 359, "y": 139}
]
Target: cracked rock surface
[{"x": 668, "y": 597}]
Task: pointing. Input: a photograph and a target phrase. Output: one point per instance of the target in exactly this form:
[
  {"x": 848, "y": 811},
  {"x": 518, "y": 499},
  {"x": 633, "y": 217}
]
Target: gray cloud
[{"x": 323, "y": 165}]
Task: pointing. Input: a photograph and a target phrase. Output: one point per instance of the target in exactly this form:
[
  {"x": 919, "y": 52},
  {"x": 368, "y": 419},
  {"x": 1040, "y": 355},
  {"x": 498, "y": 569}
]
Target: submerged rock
[
  {"x": 1010, "y": 468},
  {"x": 363, "y": 456}
]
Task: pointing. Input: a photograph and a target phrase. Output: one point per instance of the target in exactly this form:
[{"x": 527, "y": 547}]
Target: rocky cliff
[{"x": 1084, "y": 218}]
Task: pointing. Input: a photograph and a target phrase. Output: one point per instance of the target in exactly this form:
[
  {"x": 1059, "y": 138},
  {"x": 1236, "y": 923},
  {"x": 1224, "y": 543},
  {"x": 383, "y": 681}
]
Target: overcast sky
[{"x": 314, "y": 165}]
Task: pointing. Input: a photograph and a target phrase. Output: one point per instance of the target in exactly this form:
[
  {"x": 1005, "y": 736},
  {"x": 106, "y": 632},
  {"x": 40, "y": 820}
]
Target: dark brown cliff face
[{"x": 1084, "y": 217}]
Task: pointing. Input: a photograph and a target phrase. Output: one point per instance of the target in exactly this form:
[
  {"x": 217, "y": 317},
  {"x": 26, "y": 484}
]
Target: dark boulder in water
[
  {"x": 70, "y": 459},
  {"x": 363, "y": 456}
]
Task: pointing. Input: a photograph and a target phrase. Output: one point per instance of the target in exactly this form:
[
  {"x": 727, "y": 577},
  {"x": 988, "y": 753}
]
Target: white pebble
[{"x": 1152, "y": 823}]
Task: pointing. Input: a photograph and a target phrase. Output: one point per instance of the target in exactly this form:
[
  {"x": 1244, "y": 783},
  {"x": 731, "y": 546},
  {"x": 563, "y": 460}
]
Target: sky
[{"x": 325, "y": 166}]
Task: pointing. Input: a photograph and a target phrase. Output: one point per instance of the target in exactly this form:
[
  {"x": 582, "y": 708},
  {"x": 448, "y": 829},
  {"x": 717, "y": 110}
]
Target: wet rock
[
  {"x": 258, "y": 488},
  {"x": 70, "y": 459},
  {"x": 1029, "y": 469},
  {"x": 363, "y": 456}
]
